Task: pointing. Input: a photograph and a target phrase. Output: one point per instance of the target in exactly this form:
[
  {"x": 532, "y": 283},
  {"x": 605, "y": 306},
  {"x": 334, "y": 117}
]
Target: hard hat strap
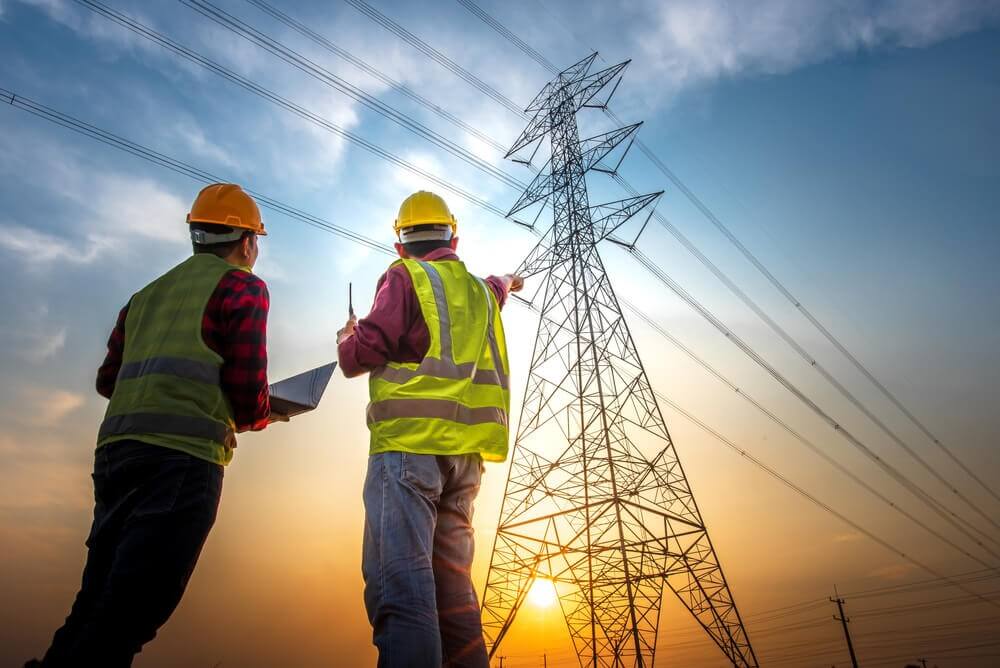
[
  {"x": 437, "y": 233},
  {"x": 204, "y": 238}
]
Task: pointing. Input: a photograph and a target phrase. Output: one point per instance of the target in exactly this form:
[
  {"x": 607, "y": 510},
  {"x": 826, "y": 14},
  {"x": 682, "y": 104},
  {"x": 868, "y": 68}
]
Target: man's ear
[
  {"x": 402, "y": 251},
  {"x": 454, "y": 243},
  {"x": 247, "y": 244}
]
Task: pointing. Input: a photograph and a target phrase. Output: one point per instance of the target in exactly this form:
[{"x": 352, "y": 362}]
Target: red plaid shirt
[{"x": 235, "y": 327}]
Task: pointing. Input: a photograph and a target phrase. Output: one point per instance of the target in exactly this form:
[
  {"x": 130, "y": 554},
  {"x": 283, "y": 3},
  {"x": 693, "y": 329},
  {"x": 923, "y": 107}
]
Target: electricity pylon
[{"x": 584, "y": 506}]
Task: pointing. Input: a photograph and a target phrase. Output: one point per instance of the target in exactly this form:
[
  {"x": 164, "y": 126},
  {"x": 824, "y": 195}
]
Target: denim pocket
[
  {"x": 160, "y": 492},
  {"x": 421, "y": 473}
]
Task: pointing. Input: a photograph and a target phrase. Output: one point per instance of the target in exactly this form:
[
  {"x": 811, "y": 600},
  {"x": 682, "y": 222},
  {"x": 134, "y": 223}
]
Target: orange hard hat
[{"x": 226, "y": 204}]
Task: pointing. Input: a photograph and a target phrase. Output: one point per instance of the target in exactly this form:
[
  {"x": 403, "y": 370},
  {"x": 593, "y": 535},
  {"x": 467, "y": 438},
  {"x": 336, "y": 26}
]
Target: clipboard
[{"x": 299, "y": 394}]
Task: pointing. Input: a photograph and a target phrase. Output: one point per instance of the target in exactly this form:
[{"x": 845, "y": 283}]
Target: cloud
[
  {"x": 112, "y": 212},
  {"x": 46, "y": 407},
  {"x": 194, "y": 137},
  {"x": 43, "y": 247},
  {"x": 125, "y": 207},
  {"x": 33, "y": 335},
  {"x": 89, "y": 24},
  {"x": 693, "y": 41},
  {"x": 47, "y": 345}
]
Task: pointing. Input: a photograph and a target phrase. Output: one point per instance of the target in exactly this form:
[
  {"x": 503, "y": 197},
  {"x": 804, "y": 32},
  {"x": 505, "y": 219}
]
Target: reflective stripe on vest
[
  {"x": 434, "y": 408},
  {"x": 172, "y": 366},
  {"x": 156, "y": 423},
  {"x": 446, "y": 367}
]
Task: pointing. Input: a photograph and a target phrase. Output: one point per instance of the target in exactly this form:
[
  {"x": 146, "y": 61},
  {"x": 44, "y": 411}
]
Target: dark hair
[
  {"x": 222, "y": 250},
  {"x": 422, "y": 248}
]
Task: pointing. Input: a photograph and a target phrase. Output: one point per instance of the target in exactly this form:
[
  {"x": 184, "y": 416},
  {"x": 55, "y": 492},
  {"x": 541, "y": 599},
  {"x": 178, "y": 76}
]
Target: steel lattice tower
[{"x": 583, "y": 505}]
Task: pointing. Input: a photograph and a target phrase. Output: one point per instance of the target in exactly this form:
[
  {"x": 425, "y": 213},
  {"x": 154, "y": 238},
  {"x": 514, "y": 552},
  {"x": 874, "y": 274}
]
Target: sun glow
[{"x": 543, "y": 593}]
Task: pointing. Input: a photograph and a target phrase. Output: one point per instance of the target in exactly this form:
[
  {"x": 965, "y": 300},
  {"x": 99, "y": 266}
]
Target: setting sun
[{"x": 543, "y": 593}]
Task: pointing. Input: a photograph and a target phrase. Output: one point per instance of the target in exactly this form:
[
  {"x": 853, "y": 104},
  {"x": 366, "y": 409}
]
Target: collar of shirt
[{"x": 440, "y": 254}]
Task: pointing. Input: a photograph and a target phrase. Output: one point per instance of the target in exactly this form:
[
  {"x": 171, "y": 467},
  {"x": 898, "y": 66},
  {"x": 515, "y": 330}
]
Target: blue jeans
[
  {"x": 154, "y": 508},
  {"x": 417, "y": 560}
]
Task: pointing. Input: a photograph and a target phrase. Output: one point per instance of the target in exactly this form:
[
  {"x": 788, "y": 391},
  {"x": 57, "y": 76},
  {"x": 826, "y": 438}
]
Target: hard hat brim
[{"x": 260, "y": 233}]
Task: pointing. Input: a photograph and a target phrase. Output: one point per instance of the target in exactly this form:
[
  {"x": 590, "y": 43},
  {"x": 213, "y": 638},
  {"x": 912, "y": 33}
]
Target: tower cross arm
[
  {"x": 596, "y": 148},
  {"x": 607, "y": 218}
]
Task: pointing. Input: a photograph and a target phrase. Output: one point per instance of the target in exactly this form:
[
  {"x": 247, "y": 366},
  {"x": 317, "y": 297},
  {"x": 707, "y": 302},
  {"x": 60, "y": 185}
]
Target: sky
[{"x": 849, "y": 145}]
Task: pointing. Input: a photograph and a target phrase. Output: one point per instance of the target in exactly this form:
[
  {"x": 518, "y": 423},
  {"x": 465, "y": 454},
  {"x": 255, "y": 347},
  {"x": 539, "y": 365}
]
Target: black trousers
[{"x": 154, "y": 509}]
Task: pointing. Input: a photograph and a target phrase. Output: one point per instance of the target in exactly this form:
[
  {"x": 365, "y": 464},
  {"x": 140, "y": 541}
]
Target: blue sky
[{"x": 851, "y": 145}]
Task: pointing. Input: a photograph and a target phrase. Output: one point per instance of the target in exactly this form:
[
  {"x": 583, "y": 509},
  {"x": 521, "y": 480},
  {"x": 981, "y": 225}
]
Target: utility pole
[
  {"x": 843, "y": 620},
  {"x": 596, "y": 492},
  {"x": 545, "y": 661}
]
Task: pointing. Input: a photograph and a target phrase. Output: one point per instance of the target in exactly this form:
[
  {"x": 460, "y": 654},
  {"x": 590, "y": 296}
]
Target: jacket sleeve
[
  {"x": 394, "y": 330},
  {"x": 244, "y": 349},
  {"x": 499, "y": 288},
  {"x": 107, "y": 374}
]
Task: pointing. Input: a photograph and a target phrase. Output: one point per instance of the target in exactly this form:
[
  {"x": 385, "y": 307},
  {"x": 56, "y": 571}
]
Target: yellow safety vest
[
  {"x": 457, "y": 399},
  {"x": 168, "y": 390}
]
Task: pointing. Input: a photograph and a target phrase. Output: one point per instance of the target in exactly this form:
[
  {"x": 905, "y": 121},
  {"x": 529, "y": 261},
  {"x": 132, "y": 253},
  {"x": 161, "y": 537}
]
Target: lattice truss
[{"x": 584, "y": 506}]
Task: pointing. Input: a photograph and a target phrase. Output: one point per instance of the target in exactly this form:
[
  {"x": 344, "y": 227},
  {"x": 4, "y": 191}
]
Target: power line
[
  {"x": 890, "y": 470},
  {"x": 415, "y": 41},
  {"x": 764, "y": 271},
  {"x": 138, "y": 150},
  {"x": 510, "y": 36},
  {"x": 782, "y": 333},
  {"x": 435, "y": 55},
  {"x": 815, "y": 364},
  {"x": 325, "y": 76},
  {"x": 799, "y": 306},
  {"x": 914, "y": 489},
  {"x": 970, "y": 536},
  {"x": 173, "y": 164},
  {"x": 816, "y": 501},
  {"x": 929, "y": 500},
  {"x": 12, "y": 96},
  {"x": 127, "y": 22},
  {"x": 786, "y": 427},
  {"x": 401, "y": 88},
  {"x": 145, "y": 153}
]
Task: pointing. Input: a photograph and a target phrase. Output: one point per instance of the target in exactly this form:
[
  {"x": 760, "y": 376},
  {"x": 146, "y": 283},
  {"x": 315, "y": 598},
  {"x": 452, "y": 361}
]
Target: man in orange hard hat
[
  {"x": 186, "y": 369},
  {"x": 438, "y": 378}
]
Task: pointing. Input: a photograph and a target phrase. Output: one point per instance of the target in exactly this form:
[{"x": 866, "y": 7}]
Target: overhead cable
[
  {"x": 785, "y": 336},
  {"x": 138, "y": 28},
  {"x": 690, "y": 246},
  {"x": 115, "y": 141},
  {"x": 914, "y": 489},
  {"x": 138, "y": 150},
  {"x": 325, "y": 76},
  {"x": 395, "y": 85}
]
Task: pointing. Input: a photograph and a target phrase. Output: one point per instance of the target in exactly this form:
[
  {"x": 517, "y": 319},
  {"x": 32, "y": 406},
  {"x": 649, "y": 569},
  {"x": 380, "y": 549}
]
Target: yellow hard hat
[
  {"x": 424, "y": 208},
  {"x": 226, "y": 204}
]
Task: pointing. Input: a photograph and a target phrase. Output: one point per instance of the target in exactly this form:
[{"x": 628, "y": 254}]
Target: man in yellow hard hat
[
  {"x": 435, "y": 351},
  {"x": 186, "y": 369}
]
